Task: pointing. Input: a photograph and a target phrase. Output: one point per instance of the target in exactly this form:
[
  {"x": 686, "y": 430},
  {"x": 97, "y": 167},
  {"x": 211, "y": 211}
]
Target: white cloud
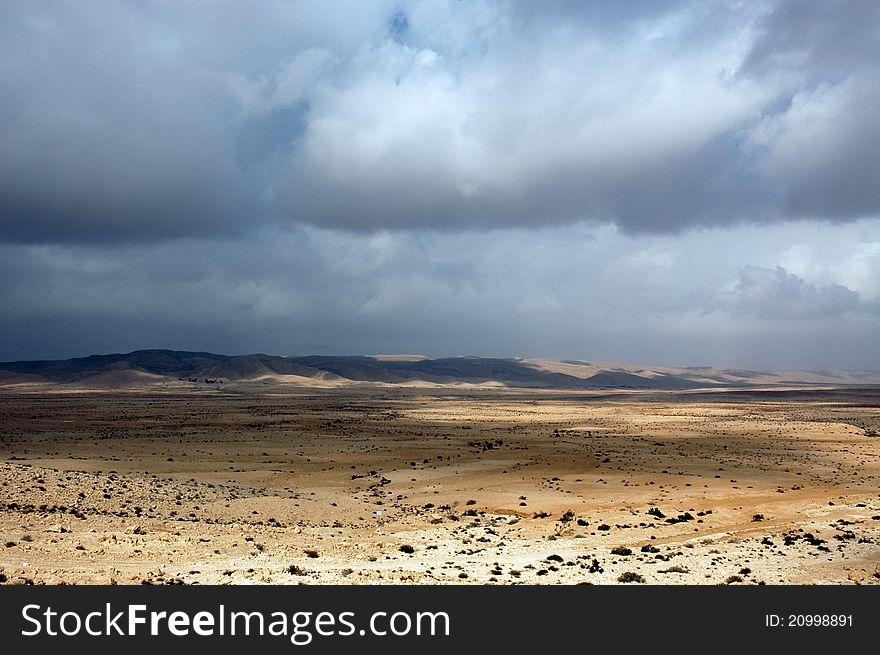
[{"x": 775, "y": 293}]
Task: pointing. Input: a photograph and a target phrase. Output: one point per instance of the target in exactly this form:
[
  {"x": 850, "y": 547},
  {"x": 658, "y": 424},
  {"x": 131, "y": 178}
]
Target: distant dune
[{"x": 144, "y": 367}]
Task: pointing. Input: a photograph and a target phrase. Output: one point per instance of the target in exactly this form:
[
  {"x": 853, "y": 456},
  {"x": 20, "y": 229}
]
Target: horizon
[
  {"x": 605, "y": 181},
  {"x": 602, "y": 364}
]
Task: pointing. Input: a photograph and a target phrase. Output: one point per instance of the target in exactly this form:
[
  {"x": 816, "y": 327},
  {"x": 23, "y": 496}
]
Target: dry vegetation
[{"x": 420, "y": 486}]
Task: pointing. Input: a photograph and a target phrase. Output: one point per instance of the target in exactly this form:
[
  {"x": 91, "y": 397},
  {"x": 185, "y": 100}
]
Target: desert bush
[
  {"x": 630, "y": 576},
  {"x": 674, "y": 569}
]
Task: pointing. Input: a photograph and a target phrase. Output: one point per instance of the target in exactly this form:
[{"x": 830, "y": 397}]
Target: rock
[{"x": 857, "y": 575}]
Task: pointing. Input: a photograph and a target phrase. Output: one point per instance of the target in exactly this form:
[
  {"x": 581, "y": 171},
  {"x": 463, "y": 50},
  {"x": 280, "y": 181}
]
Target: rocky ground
[{"x": 204, "y": 484}]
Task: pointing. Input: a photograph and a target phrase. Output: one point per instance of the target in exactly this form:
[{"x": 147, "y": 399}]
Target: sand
[{"x": 287, "y": 484}]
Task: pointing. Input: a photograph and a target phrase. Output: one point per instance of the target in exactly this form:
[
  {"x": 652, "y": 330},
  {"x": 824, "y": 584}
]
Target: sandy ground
[{"x": 286, "y": 485}]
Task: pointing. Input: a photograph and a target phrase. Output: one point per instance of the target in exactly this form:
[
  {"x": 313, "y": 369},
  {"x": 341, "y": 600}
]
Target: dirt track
[{"x": 206, "y": 485}]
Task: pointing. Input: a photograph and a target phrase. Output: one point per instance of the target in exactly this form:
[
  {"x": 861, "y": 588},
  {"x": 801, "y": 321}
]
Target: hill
[{"x": 143, "y": 367}]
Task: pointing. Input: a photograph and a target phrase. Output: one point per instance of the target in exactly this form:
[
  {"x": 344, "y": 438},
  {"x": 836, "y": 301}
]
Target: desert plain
[{"x": 193, "y": 483}]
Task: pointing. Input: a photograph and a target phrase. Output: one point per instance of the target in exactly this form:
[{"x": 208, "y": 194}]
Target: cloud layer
[
  {"x": 149, "y": 121},
  {"x": 661, "y": 181},
  {"x": 568, "y": 292}
]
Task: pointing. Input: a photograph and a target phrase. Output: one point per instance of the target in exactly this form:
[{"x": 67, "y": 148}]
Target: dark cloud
[
  {"x": 154, "y": 121},
  {"x": 119, "y": 121},
  {"x": 109, "y": 133},
  {"x": 818, "y": 39},
  {"x": 562, "y": 179},
  {"x": 569, "y": 292}
]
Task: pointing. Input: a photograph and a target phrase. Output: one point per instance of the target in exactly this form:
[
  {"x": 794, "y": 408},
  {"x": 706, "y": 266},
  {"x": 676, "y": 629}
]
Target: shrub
[
  {"x": 630, "y": 576},
  {"x": 311, "y": 552},
  {"x": 406, "y": 548},
  {"x": 674, "y": 569},
  {"x": 621, "y": 550},
  {"x": 293, "y": 569}
]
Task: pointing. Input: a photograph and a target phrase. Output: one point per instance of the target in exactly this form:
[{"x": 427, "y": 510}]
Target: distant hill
[
  {"x": 623, "y": 380},
  {"x": 143, "y": 367},
  {"x": 447, "y": 370},
  {"x": 165, "y": 363}
]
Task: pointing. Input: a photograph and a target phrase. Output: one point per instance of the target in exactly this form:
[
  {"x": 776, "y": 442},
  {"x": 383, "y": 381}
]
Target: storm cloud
[
  {"x": 130, "y": 121},
  {"x": 661, "y": 182},
  {"x": 571, "y": 292}
]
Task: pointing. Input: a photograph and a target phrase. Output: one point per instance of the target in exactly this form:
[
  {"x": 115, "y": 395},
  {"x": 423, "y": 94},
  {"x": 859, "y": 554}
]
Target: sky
[{"x": 657, "y": 182}]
